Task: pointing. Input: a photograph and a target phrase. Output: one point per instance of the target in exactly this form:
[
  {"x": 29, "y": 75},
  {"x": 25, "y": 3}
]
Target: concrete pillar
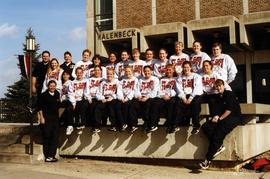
[
  {"x": 245, "y": 7},
  {"x": 154, "y": 12},
  {"x": 114, "y": 15},
  {"x": 248, "y": 59},
  {"x": 197, "y": 10},
  {"x": 90, "y": 20}
]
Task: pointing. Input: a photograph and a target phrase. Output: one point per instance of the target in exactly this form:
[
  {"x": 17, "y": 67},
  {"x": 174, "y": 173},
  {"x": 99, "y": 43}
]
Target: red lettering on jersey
[
  {"x": 94, "y": 83},
  {"x": 53, "y": 75},
  {"x": 147, "y": 85},
  {"x": 208, "y": 81},
  {"x": 85, "y": 67},
  {"x": 218, "y": 62},
  {"x": 162, "y": 69},
  {"x": 128, "y": 84},
  {"x": 187, "y": 83},
  {"x": 137, "y": 69},
  {"x": 79, "y": 86},
  {"x": 109, "y": 89},
  {"x": 196, "y": 61},
  {"x": 167, "y": 84}
]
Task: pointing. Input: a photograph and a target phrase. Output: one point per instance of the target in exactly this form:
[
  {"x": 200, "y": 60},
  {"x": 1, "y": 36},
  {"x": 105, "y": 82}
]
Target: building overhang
[
  {"x": 255, "y": 31},
  {"x": 224, "y": 29}
]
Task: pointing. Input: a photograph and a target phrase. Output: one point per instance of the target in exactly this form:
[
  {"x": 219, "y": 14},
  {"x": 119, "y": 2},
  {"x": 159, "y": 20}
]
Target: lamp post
[{"x": 30, "y": 49}]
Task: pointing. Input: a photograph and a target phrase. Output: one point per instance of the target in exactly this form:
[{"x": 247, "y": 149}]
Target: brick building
[{"x": 242, "y": 26}]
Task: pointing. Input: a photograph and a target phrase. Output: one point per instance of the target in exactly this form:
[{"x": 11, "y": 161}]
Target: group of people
[{"x": 92, "y": 92}]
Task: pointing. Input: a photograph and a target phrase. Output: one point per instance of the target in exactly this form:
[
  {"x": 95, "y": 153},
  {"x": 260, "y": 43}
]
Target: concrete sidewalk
[{"x": 72, "y": 168}]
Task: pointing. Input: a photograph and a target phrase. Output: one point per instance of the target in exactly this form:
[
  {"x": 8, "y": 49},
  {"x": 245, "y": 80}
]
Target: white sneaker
[
  {"x": 219, "y": 151},
  {"x": 69, "y": 130}
]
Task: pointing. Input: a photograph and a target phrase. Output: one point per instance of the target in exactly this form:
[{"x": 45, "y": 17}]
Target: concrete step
[
  {"x": 19, "y": 148},
  {"x": 8, "y": 157}
]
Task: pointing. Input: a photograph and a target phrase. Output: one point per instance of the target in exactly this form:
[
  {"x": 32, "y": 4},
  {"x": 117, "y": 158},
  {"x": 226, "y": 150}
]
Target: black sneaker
[
  {"x": 113, "y": 129},
  {"x": 153, "y": 128},
  {"x": 173, "y": 130},
  {"x": 54, "y": 159},
  {"x": 219, "y": 151},
  {"x": 133, "y": 129},
  {"x": 205, "y": 164},
  {"x": 195, "y": 131}
]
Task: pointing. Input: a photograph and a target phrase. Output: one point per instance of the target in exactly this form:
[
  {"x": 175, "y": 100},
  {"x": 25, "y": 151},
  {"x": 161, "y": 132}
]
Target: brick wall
[
  {"x": 258, "y": 5},
  {"x": 133, "y": 13},
  {"x": 175, "y": 11},
  {"x": 221, "y": 8}
]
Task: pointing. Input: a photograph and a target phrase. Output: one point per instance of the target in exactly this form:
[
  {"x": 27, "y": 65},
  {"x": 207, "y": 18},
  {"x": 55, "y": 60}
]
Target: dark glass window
[{"x": 104, "y": 14}]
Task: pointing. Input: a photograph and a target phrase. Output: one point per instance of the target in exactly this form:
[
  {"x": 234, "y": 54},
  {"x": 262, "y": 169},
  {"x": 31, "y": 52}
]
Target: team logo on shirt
[
  {"x": 94, "y": 83},
  {"x": 85, "y": 67},
  {"x": 187, "y": 83},
  {"x": 79, "y": 86},
  {"x": 109, "y": 89},
  {"x": 137, "y": 69},
  {"x": 218, "y": 62},
  {"x": 178, "y": 61},
  {"x": 162, "y": 69},
  {"x": 196, "y": 62},
  {"x": 208, "y": 81},
  {"x": 167, "y": 84},
  {"x": 53, "y": 75},
  {"x": 147, "y": 85},
  {"x": 128, "y": 84}
]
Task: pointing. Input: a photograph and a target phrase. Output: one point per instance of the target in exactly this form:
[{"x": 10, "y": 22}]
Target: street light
[{"x": 30, "y": 49}]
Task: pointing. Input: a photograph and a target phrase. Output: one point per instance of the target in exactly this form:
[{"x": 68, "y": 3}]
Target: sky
[{"x": 58, "y": 25}]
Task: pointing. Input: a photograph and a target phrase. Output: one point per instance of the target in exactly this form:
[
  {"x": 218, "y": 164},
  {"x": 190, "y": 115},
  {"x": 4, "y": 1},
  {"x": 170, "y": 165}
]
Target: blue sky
[{"x": 58, "y": 25}]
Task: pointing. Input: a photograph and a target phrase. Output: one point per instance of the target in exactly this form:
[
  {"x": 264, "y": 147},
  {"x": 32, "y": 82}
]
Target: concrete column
[
  {"x": 134, "y": 42},
  {"x": 154, "y": 12},
  {"x": 114, "y": 15},
  {"x": 248, "y": 58},
  {"x": 197, "y": 10},
  {"x": 245, "y": 7},
  {"x": 90, "y": 20}
]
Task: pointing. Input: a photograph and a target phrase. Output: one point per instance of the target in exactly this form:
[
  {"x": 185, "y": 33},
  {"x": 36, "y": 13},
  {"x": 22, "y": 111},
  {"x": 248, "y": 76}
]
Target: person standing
[
  {"x": 226, "y": 116},
  {"x": 120, "y": 66},
  {"x": 160, "y": 65},
  {"x": 49, "y": 104},
  {"x": 39, "y": 73},
  {"x": 149, "y": 58},
  {"x": 54, "y": 72},
  {"x": 68, "y": 65},
  {"x": 84, "y": 63},
  {"x": 223, "y": 64},
  {"x": 198, "y": 57},
  {"x": 137, "y": 64},
  {"x": 178, "y": 58}
]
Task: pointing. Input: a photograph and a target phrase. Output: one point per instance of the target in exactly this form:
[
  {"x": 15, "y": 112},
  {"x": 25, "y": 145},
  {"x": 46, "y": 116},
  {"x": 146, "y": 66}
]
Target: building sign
[{"x": 119, "y": 34}]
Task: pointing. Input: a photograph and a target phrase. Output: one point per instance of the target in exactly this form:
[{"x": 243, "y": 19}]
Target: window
[{"x": 104, "y": 14}]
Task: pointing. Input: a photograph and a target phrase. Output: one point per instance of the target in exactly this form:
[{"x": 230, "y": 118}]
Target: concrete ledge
[{"x": 242, "y": 143}]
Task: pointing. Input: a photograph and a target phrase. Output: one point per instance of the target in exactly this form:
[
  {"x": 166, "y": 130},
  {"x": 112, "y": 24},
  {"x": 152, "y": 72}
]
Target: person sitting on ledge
[{"x": 226, "y": 116}]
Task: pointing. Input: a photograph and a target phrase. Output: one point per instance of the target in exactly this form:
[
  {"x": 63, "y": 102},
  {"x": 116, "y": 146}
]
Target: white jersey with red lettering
[
  {"x": 84, "y": 65},
  {"x": 128, "y": 88},
  {"x": 107, "y": 89},
  {"x": 178, "y": 60},
  {"x": 64, "y": 91},
  {"x": 208, "y": 81},
  {"x": 111, "y": 66},
  {"x": 167, "y": 86},
  {"x": 189, "y": 85},
  {"x": 90, "y": 72},
  {"x": 224, "y": 65},
  {"x": 197, "y": 61},
  {"x": 160, "y": 68},
  {"x": 54, "y": 75},
  {"x": 92, "y": 87},
  {"x": 77, "y": 91},
  {"x": 137, "y": 67},
  {"x": 148, "y": 87},
  {"x": 151, "y": 63},
  {"x": 120, "y": 68}
]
